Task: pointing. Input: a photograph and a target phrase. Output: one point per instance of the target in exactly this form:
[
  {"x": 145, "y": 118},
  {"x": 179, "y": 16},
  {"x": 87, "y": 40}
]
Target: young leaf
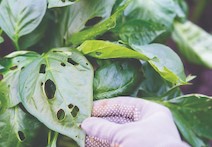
[
  {"x": 57, "y": 88},
  {"x": 140, "y": 32},
  {"x": 20, "y": 129},
  {"x": 72, "y": 20},
  {"x": 20, "y": 17},
  {"x": 163, "y": 11},
  {"x": 119, "y": 77},
  {"x": 165, "y": 61},
  {"x": 106, "y": 50},
  {"x": 9, "y": 74},
  {"x": 192, "y": 116},
  {"x": 60, "y": 3},
  {"x": 194, "y": 43},
  {"x": 99, "y": 28}
]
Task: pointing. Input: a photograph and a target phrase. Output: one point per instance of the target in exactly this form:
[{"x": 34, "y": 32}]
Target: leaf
[
  {"x": 140, "y": 32},
  {"x": 194, "y": 43},
  {"x": 165, "y": 61},
  {"x": 163, "y": 11},
  {"x": 153, "y": 85},
  {"x": 60, "y": 3},
  {"x": 107, "y": 50},
  {"x": 13, "y": 64},
  {"x": 99, "y": 28},
  {"x": 116, "y": 78},
  {"x": 73, "y": 21},
  {"x": 1, "y": 38},
  {"x": 20, "y": 129},
  {"x": 192, "y": 115},
  {"x": 57, "y": 89},
  {"x": 20, "y": 17}
]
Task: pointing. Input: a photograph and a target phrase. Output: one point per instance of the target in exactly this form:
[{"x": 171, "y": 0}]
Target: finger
[
  {"x": 100, "y": 128},
  {"x": 127, "y": 107}
]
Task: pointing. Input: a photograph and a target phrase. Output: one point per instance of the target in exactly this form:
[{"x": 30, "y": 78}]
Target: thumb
[{"x": 100, "y": 128}]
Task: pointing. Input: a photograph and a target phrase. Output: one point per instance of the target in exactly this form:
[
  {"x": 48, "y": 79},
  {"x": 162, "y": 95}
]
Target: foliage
[{"x": 70, "y": 53}]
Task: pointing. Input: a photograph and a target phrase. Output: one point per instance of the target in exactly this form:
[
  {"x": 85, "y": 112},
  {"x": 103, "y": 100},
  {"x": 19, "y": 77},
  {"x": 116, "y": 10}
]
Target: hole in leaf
[
  {"x": 22, "y": 108},
  {"x": 70, "y": 106},
  {"x": 63, "y": 1},
  {"x": 41, "y": 84},
  {"x": 72, "y": 61},
  {"x": 63, "y": 64},
  {"x": 13, "y": 67},
  {"x": 93, "y": 21},
  {"x": 75, "y": 111},
  {"x": 60, "y": 114},
  {"x": 98, "y": 53},
  {"x": 50, "y": 89},
  {"x": 1, "y": 77},
  {"x": 22, "y": 68},
  {"x": 42, "y": 68},
  {"x": 21, "y": 135}
]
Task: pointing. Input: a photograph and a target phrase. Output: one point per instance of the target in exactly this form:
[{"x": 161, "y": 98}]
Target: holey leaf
[
  {"x": 192, "y": 114},
  {"x": 12, "y": 65},
  {"x": 57, "y": 89},
  {"x": 20, "y": 17},
  {"x": 19, "y": 129}
]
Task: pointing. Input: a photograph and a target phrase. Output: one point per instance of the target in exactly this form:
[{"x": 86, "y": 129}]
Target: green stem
[
  {"x": 52, "y": 141},
  {"x": 16, "y": 44}
]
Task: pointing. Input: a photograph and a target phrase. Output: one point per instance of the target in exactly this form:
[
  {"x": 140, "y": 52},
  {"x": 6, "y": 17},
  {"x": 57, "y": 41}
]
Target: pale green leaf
[
  {"x": 194, "y": 43},
  {"x": 20, "y": 17},
  {"x": 19, "y": 129},
  {"x": 13, "y": 64},
  {"x": 57, "y": 88}
]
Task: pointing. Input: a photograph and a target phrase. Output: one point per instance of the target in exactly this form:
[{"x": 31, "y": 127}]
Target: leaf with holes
[
  {"x": 116, "y": 78},
  {"x": 20, "y": 17},
  {"x": 13, "y": 64},
  {"x": 60, "y": 3},
  {"x": 192, "y": 116},
  {"x": 57, "y": 88},
  {"x": 194, "y": 43},
  {"x": 20, "y": 129}
]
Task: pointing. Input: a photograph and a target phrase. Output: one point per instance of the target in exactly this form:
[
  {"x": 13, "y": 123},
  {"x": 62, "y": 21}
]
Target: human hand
[{"x": 130, "y": 122}]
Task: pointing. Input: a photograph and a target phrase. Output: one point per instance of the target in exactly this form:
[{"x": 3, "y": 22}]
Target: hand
[{"x": 131, "y": 122}]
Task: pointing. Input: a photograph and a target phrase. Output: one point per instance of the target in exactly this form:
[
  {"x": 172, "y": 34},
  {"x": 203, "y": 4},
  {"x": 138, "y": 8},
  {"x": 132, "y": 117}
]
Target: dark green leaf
[
  {"x": 20, "y": 17},
  {"x": 106, "y": 50},
  {"x": 163, "y": 11},
  {"x": 12, "y": 66},
  {"x": 115, "y": 78},
  {"x": 60, "y": 3},
  {"x": 47, "y": 92},
  {"x": 194, "y": 43},
  {"x": 165, "y": 61},
  {"x": 140, "y": 32},
  {"x": 20, "y": 129},
  {"x": 153, "y": 85},
  {"x": 192, "y": 116}
]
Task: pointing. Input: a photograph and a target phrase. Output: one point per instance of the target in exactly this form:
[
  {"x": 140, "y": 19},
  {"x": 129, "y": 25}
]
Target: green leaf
[
  {"x": 116, "y": 77},
  {"x": 99, "y": 28},
  {"x": 106, "y": 50},
  {"x": 1, "y": 38},
  {"x": 165, "y": 61},
  {"x": 163, "y": 11},
  {"x": 20, "y": 129},
  {"x": 140, "y": 32},
  {"x": 12, "y": 66},
  {"x": 192, "y": 116},
  {"x": 60, "y": 3},
  {"x": 194, "y": 43},
  {"x": 153, "y": 85},
  {"x": 72, "y": 20},
  {"x": 57, "y": 88},
  {"x": 20, "y": 17}
]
